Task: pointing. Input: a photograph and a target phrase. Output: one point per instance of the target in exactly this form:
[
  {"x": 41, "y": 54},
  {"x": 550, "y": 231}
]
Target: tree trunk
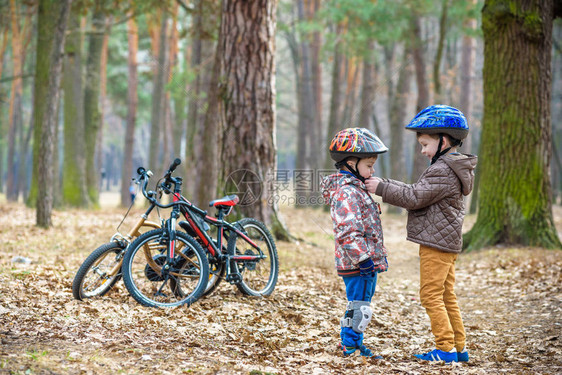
[
  {"x": 192, "y": 135},
  {"x": 193, "y": 99},
  {"x": 74, "y": 191},
  {"x": 352, "y": 77},
  {"x": 306, "y": 114},
  {"x": 389, "y": 52},
  {"x": 515, "y": 205},
  {"x": 175, "y": 119},
  {"x": 24, "y": 160},
  {"x": 557, "y": 113},
  {"x": 158, "y": 100},
  {"x": 52, "y": 20},
  {"x": 57, "y": 165},
  {"x": 205, "y": 24},
  {"x": 127, "y": 170},
  {"x": 368, "y": 89},
  {"x": 335, "y": 108},
  {"x": 15, "y": 111},
  {"x": 420, "y": 163},
  {"x": 3, "y": 46},
  {"x": 208, "y": 164},
  {"x": 92, "y": 117},
  {"x": 296, "y": 52},
  {"x": 398, "y": 117},
  {"x": 247, "y": 52},
  {"x": 468, "y": 54},
  {"x": 103, "y": 91},
  {"x": 439, "y": 52},
  {"x": 317, "y": 144}
]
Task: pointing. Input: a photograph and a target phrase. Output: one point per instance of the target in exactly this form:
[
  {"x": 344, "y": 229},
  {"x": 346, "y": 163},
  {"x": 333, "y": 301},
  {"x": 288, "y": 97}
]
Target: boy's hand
[
  {"x": 371, "y": 183},
  {"x": 367, "y": 268}
]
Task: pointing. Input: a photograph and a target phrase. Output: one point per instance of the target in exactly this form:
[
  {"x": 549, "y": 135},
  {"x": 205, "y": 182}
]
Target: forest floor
[{"x": 510, "y": 298}]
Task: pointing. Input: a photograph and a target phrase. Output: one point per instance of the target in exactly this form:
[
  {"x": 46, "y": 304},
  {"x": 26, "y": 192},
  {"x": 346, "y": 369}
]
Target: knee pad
[{"x": 357, "y": 316}]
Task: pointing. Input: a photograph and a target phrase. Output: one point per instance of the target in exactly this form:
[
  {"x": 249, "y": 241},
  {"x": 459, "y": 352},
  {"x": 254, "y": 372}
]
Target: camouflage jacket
[{"x": 356, "y": 222}]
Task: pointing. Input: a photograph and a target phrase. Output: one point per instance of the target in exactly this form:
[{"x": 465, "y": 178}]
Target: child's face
[
  {"x": 366, "y": 167},
  {"x": 430, "y": 143}
]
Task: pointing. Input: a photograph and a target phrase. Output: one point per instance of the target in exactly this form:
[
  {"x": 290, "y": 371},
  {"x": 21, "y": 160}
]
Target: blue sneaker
[
  {"x": 366, "y": 352},
  {"x": 363, "y": 351},
  {"x": 439, "y": 355},
  {"x": 462, "y": 356},
  {"x": 347, "y": 350}
]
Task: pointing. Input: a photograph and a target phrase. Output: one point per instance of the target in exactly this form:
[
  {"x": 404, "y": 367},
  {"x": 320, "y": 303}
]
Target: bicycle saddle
[{"x": 229, "y": 200}]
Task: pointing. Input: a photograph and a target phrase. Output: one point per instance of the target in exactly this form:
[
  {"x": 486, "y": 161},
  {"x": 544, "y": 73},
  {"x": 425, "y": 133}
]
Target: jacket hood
[
  {"x": 463, "y": 165},
  {"x": 331, "y": 184}
]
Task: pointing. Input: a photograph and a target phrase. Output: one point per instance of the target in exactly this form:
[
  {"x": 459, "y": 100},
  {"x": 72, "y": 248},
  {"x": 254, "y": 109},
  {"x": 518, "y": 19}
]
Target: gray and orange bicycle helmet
[
  {"x": 355, "y": 142},
  {"x": 441, "y": 119}
]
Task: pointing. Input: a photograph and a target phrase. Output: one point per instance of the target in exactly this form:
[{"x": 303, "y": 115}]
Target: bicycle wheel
[
  {"x": 150, "y": 284},
  {"x": 217, "y": 271},
  {"x": 99, "y": 272},
  {"x": 258, "y": 277},
  {"x": 216, "y": 275}
]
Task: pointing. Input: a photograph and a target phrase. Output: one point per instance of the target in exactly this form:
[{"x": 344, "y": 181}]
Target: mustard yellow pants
[{"x": 437, "y": 296}]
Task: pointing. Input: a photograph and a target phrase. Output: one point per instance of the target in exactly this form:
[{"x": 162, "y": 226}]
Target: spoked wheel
[
  {"x": 151, "y": 284},
  {"x": 99, "y": 272},
  {"x": 259, "y": 277},
  {"x": 217, "y": 271}
]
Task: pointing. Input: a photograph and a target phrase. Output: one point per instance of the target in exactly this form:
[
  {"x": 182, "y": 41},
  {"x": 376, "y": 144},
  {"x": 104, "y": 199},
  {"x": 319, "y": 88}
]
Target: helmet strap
[
  {"x": 355, "y": 171},
  {"x": 439, "y": 153}
]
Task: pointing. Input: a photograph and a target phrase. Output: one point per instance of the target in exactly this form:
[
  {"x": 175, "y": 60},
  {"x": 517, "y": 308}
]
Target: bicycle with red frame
[{"x": 164, "y": 268}]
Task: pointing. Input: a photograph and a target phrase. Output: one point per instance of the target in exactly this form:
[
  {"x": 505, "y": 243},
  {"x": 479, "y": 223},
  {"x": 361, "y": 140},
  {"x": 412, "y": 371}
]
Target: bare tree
[
  {"x": 246, "y": 53},
  {"x": 423, "y": 89},
  {"x": 52, "y": 20},
  {"x": 74, "y": 191},
  {"x": 92, "y": 115},
  {"x": 132, "y": 100}
]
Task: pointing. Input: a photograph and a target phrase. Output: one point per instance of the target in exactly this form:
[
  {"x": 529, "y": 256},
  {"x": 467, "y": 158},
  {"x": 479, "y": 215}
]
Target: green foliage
[
  {"x": 460, "y": 11},
  {"x": 364, "y": 21},
  {"x": 117, "y": 73},
  {"x": 384, "y": 22}
]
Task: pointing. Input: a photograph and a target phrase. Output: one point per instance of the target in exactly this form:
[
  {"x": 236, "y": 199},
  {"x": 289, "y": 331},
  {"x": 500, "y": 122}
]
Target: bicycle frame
[
  {"x": 181, "y": 205},
  {"x": 134, "y": 232},
  {"x": 186, "y": 209}
]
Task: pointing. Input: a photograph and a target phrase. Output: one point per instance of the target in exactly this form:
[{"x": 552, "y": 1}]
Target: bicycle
[
  {"x": 102, "y": 268},
  {"x": 155, "y": 279}
]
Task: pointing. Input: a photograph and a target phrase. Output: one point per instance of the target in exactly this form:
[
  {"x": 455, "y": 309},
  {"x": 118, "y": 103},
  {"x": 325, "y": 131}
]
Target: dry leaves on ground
[{"x": 511, "y": 301}]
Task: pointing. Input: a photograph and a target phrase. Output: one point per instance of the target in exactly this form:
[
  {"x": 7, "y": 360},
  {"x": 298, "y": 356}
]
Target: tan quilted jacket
[{"x": 435, "y": 203}]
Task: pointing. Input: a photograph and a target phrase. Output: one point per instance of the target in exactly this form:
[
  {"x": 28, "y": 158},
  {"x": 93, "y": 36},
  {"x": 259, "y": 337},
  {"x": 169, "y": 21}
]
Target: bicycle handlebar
[
  {"x": 172, "y": 168},
  {"x": 146, "y": 174}
]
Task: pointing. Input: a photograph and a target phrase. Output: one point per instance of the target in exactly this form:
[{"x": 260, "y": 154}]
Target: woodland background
[
  {"x": 143, "y": 82},
  {"x": 90, "y": 90}
]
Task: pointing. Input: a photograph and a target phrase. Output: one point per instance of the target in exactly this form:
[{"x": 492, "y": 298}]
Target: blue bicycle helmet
[{"x": 440, "y": 119}]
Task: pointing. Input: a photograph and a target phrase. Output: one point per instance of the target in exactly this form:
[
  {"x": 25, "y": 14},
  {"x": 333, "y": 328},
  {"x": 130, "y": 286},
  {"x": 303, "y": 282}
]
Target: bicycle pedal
[{"x": 234, "y": 278}]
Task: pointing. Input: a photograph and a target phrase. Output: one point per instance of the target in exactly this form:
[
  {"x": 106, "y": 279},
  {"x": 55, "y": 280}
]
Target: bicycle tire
[
  {"x": 216, "y": 275},
  {"x": 88, "y": 281},
  {"x": 192, "y": 277},
  {"x": 255, "y": 274}
]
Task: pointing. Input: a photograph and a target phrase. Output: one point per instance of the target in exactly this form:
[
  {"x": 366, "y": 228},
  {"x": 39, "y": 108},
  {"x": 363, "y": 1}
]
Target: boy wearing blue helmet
[{"x": 435, "y": 216}]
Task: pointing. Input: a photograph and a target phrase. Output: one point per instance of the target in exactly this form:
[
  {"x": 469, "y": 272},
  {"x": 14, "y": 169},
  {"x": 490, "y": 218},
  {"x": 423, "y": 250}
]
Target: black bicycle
[{"x": 164, "y": 267}]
